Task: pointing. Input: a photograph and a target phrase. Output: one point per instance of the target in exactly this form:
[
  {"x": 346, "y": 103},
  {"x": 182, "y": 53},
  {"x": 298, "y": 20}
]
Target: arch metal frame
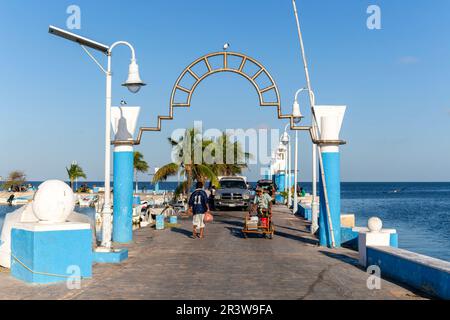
[{"x": 205, "y": 60}]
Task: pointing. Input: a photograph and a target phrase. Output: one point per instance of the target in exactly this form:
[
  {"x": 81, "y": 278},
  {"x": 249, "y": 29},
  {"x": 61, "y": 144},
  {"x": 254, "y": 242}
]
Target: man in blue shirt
[{"x": 198, "y": 203}]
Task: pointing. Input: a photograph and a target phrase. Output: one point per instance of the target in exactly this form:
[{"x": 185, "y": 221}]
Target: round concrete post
[
  {"x": 123, "y": 194},
  {"x": 329, "y": 120},
  {"x": 331, "y": 167}
]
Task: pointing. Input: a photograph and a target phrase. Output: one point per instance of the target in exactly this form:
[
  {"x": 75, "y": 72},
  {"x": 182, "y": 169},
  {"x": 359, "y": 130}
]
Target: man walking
[{"x": 198, "y": 203}]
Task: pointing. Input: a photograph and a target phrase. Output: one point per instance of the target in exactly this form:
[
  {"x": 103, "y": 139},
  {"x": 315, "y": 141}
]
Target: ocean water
[{"x": 419, "y": 211}]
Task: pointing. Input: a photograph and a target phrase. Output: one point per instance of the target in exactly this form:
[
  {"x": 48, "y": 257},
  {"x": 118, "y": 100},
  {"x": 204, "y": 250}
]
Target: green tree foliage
[
  {"x": 75, "y": 172},
  {"x": 15, "y": 180},
  {"x": 212, "y": 163},
  {"x": 139, "y": 165}
]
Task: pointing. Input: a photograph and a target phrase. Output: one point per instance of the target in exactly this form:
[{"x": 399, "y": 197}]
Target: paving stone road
[{"x": 168, "y": 264}]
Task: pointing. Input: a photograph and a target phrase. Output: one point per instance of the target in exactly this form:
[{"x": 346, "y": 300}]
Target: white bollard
[{"x": 372, "y": 236}]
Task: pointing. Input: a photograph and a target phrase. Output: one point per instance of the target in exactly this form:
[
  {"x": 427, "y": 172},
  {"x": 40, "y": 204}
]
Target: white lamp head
[
  {"x": 285, "y": 138},
  {"x": 296, "y": 112},
  {"x": 134, "y": 82}
]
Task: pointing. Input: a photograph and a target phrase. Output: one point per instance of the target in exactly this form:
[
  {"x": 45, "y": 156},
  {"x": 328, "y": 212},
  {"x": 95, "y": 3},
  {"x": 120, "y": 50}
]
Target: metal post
[
  {"x": 107, "y": 212},
  {"x": 314, "y": 205},
  {"x": 285, "y": 167},
  {"x": 315, "y": 130},
  {"x": 289, "y": 174},
  {"x": 295, "y": 206}
]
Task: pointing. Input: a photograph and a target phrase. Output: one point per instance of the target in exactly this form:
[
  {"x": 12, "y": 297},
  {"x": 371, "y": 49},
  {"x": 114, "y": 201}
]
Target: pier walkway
[{"x": 168, "y": 264}]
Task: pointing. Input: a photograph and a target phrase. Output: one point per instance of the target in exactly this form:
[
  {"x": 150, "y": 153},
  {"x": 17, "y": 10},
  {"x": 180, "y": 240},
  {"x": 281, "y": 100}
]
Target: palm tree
[
  {"x": 139, "y": 165},
  {"x": 75, "y": 172},
  {"x": 15, "y": 180},
  {"x": 184, "y": 150},
  {"x": 239, "y": 157}
]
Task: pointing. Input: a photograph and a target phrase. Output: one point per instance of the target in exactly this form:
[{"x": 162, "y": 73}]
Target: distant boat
[{"x": 396, "y": 190}]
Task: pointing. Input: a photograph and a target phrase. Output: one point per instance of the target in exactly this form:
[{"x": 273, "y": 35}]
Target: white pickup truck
[{"x": 233, "y": 193}]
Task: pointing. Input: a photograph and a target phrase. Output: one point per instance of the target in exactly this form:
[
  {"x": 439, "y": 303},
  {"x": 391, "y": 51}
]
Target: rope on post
[{"x": 42, "y": 273}]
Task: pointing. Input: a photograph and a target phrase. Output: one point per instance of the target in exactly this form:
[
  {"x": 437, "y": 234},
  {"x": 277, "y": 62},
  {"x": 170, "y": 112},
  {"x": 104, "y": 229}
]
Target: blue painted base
[
  {"x": 331, "y": 168},
  {"x": 160, "y": 221},
  {"x": 123, "y": 197},
  {"x": 421, "y": 272},
  {"x": 305, "y": 212},
  {"x": 50, "y": 256},
  {"x": 280, "y": 182},
  {"x": 117, "y": 256},
  {"x": 394, "y": 240},
  {"x": 349, "y": 239},
  {"x": 173, "y": 220}
]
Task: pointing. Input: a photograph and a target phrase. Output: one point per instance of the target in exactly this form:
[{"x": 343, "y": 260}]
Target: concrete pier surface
[{"x": 168, "y": 265}]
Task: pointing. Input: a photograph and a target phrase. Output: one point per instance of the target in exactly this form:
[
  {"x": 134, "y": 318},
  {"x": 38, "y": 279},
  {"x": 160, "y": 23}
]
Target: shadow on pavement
[
  {"x": 289, "y": 228},
  {"x": 296, "y": 238},
  {"x": 185, "y": 232},
  {"x": 236, "y": 232},
  {"x": 231, "y": 222},
  {"x": 341, "y": 257}
]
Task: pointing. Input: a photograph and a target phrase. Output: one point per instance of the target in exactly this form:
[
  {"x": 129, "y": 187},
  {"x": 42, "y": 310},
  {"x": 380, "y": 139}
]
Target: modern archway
[{"x": 205, "y": 62}]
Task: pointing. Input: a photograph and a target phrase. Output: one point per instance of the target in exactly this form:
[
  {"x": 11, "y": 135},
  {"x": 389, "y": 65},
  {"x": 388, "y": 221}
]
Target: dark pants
[{"x": 211, "y": 203}]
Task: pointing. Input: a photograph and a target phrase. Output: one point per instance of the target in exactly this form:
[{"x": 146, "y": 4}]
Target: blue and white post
[
  {"x": 279, "y": 179},
  {"x": 123, "y": 193},
  {"x": 329, "y": 121},
  {"x": 124, "y": 123}
]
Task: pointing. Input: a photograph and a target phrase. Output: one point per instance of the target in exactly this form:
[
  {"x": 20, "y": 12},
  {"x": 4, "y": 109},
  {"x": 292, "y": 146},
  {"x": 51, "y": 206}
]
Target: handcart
[{"x": 259, "y": 221}]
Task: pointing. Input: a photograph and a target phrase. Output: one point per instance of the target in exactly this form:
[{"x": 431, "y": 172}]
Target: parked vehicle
[{"x": 233, "y": 193}]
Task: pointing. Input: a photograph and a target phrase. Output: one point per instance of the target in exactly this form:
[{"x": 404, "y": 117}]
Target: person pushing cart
[{"x": 259, "y": 220}]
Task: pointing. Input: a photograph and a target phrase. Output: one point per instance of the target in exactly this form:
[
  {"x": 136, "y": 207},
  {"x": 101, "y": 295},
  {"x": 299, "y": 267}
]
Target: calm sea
[{"x": 419, "y": 211}]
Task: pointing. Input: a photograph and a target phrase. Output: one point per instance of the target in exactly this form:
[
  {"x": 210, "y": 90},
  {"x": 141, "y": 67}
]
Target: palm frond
[{"x": 164, "y": 172}]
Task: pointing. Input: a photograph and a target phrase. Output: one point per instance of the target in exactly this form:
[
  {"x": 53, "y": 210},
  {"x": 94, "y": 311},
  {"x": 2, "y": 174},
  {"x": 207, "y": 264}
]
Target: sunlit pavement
[{"x": 168, "y": 264}]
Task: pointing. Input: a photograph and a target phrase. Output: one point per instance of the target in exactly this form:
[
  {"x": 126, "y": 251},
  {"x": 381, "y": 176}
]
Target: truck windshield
[{"x": 232, "y": 184}]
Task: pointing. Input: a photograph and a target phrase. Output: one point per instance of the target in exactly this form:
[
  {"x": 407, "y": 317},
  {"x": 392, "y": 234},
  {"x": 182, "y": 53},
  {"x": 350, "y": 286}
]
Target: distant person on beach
[
  {"x": 198, "y": 205},
  {"x": 10, "y": 199},
  {"x": 212, "y": 194},
  {"x": 301, "y": 192}
]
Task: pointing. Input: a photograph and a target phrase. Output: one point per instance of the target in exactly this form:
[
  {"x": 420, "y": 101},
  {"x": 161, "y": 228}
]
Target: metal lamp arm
[{"x": 115, "y": 44}]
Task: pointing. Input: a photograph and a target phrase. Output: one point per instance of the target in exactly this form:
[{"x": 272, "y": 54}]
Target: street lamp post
[
  {"x": 314, "y": 206},
  {"x": 297, "y": 118},
  {"x": 328, "y": 141},
  {"x": 285, "y": 140},
  {"x": 133, "y": 83}
]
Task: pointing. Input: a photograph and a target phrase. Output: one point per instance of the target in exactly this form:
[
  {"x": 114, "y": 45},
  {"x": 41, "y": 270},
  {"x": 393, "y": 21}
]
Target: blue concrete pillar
[
  {"x": 123, "y": 194},
  {"x": 329, "y": 122},
  {"x": 331, "y": 167},
  {"x": 279, "y": 181},
  {"x": 266, "y": 174}
]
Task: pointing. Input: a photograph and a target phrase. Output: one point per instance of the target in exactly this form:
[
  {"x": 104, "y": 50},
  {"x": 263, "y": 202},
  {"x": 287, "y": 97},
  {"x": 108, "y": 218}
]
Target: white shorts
[{"x": 197, "y": 220}]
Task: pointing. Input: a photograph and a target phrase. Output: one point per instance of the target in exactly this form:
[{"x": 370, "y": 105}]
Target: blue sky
[{"x": 395, "y": 81}]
